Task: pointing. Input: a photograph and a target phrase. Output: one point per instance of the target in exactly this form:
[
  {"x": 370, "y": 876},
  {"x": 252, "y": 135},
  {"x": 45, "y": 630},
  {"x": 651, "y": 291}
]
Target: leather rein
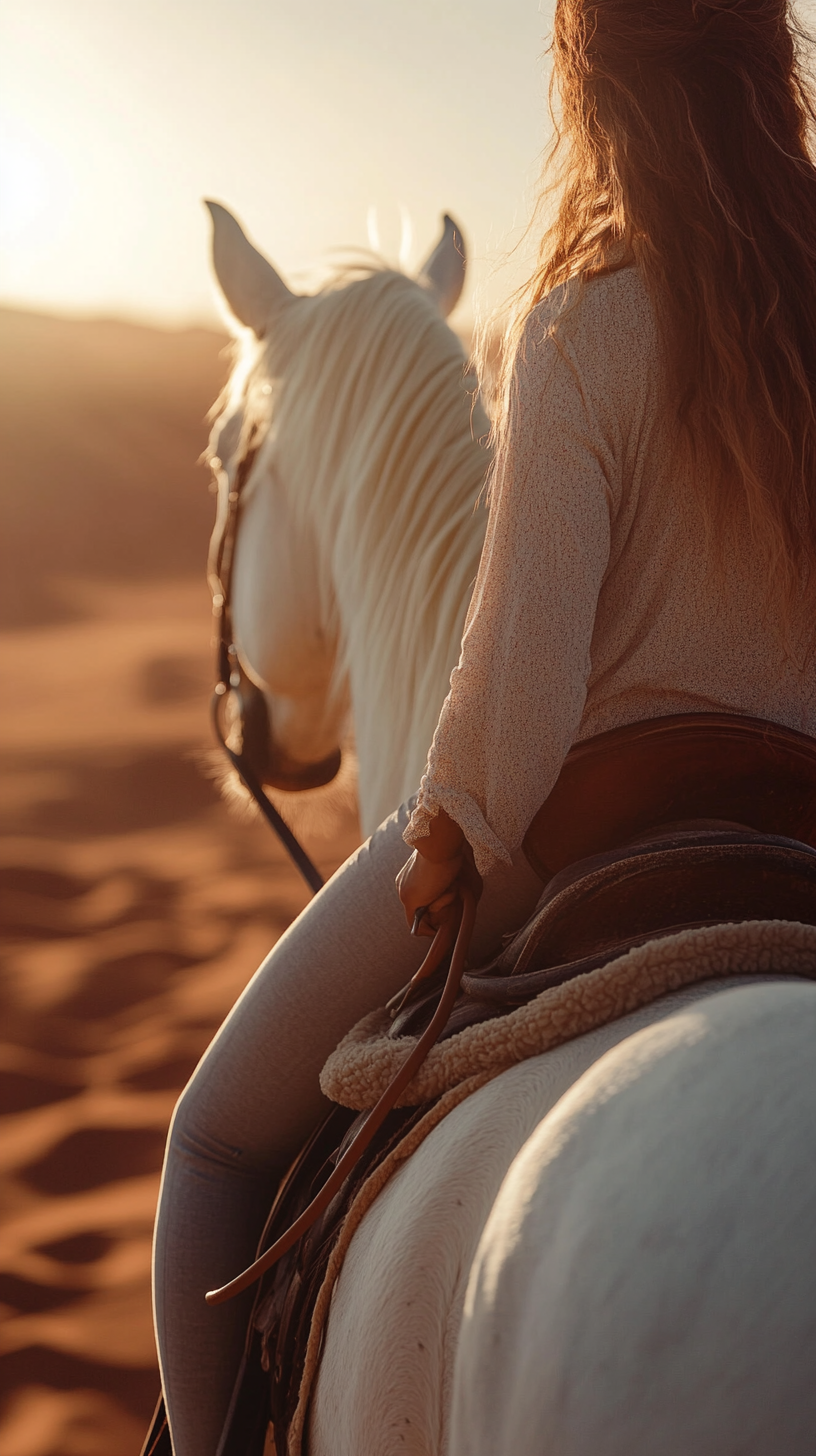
[
  {"x": 231, "y": 679},
  {"x": 230, "y": 676}
]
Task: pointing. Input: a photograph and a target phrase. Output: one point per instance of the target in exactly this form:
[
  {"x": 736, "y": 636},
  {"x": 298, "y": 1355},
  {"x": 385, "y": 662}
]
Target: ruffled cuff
[{"x": 488, "y": 850}]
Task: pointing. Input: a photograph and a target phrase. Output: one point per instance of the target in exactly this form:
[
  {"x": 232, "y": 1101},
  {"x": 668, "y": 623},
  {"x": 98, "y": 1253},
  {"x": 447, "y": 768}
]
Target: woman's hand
[
  {"x": 424, "y": 884},
  {"x": 434, "y": 874}
]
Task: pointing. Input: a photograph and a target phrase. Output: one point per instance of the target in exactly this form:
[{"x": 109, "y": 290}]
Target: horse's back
[
  {"x": 646, "y": 1281},
  {"x": 387, "y": 1367}
]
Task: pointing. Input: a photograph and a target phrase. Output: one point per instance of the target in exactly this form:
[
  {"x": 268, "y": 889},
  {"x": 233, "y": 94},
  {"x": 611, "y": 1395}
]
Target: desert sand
[{"x": 135, "y": 907}]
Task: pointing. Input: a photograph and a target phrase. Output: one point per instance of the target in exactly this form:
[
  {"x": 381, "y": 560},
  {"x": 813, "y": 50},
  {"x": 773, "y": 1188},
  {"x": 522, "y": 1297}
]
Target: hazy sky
[{"x": 301, "y": 115}]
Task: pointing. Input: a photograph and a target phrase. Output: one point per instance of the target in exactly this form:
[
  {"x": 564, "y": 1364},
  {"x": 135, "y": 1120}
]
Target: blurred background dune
[{"x": 134, "y": 907}]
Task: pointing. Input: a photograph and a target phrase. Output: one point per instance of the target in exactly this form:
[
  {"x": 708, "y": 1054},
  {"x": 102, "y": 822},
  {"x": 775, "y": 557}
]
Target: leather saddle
[
  {"x": 651, "y": 828},
  {"x": 659, "y": 826},
  {"x": 656, "y": 827}
]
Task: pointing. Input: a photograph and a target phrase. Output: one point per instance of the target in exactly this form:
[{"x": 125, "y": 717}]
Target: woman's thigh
[{"x": 256, "y": 1090}]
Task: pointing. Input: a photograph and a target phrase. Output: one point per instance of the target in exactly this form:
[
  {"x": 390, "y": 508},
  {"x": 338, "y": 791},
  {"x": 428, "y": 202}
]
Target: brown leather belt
[{"x": 620, "y": 785}]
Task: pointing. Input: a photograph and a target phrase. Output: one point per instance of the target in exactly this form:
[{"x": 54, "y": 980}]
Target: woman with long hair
[
  {"x": 659, "y": 420},
  {"x": 650, "y": 551}
]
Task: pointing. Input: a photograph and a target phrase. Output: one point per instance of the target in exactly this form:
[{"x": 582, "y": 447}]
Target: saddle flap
[{"x": 602, "y": 907}]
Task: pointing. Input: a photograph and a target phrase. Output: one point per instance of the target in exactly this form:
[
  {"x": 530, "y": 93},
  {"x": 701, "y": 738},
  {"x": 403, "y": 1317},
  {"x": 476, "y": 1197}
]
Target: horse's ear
[
  {"x": 443, "y": 273},
  {"x": 249, "y": 283}
]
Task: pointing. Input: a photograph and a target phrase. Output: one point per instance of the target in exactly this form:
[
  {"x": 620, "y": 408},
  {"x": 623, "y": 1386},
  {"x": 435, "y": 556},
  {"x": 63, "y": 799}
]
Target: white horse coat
[{"x": 612, "y": 1247}]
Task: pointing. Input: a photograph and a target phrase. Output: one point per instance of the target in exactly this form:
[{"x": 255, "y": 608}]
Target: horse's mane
[{"x": 372, "y": 425}]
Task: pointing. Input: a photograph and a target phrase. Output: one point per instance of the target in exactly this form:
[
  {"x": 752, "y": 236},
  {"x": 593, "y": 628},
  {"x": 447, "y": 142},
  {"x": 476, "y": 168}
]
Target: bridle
[
  {"x": 231, "y": 678},
  {"x": 453, "y": 934}
]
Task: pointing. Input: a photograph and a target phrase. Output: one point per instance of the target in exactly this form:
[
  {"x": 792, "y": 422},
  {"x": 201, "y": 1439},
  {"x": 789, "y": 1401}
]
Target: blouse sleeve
[{"x": 518, "y": 692}]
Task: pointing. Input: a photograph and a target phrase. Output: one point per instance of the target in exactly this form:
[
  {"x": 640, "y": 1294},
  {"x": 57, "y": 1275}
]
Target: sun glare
[
  {"x": 109, "y": 138},
  {"x": 33, "y": 190},
  {"x": 392, "y": 239}
]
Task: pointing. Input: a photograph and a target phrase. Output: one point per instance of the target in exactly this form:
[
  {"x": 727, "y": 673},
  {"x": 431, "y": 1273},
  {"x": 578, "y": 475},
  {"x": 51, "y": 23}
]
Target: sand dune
[{"x": 134, "y": 906}]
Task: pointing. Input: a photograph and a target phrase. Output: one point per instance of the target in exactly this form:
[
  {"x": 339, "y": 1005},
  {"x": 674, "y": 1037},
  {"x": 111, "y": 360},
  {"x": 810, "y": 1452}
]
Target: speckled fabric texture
[{"x": 596, "y": 603}]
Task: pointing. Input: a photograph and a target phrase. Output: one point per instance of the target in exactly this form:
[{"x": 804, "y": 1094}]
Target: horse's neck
[
  {"x": 399, "y": 660},
  {"x": 393, "y": 735},
  {"x": 390, "y": 495}
]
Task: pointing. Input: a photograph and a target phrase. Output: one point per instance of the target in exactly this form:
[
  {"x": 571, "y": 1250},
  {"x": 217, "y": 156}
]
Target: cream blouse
[{"x": 596, "y": 603}]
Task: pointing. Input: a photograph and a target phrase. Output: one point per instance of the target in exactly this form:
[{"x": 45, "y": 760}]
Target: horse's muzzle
[{"x": 271, "y": 764}]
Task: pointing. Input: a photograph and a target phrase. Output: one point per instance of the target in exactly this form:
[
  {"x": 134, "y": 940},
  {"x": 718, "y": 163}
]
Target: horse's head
[{"x": 335, "y": 403}]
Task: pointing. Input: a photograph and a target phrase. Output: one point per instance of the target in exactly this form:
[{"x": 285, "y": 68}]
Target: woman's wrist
[{"x": 443, "y": 842}]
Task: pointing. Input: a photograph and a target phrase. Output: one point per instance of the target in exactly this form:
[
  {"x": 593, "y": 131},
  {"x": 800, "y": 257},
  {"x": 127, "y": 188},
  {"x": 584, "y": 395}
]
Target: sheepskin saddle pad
[{"x": 610, "y": 934}]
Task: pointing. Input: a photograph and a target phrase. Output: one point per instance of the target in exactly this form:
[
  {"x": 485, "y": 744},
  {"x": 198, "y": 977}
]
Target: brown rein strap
[
  {"x": 440, "y": 944},
  {"x": 230, "y": 678},
  {"x": 291, "y": 843}
]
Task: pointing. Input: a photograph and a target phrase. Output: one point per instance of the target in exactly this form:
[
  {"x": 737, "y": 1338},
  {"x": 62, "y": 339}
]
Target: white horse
[
  {"x": 360, "y": 529},
  {"x": 610, "y": 1247}
]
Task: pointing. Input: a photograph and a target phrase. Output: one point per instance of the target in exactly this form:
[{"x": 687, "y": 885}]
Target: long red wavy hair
[{"x": 684, "y": 133}]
